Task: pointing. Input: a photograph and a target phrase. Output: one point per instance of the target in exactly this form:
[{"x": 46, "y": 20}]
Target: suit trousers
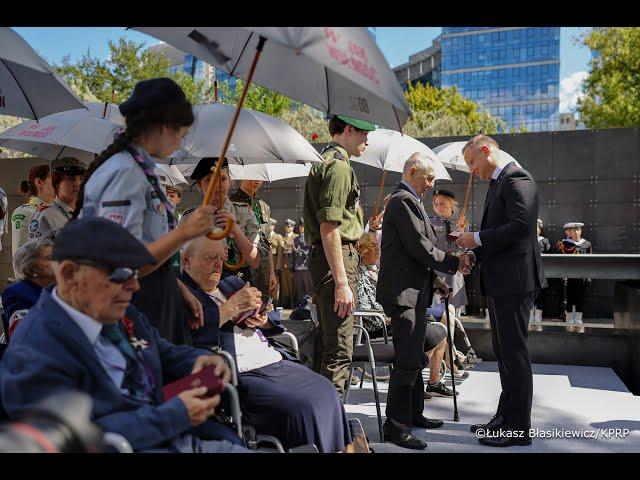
[
  {"x": 405, "y": 398},
  {"x": 334, "y": 345},
  {"x": 509, "y": 318}
]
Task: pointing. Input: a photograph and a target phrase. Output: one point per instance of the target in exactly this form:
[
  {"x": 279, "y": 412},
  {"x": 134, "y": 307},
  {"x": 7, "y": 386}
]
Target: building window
[{"x": 544, "y": 88}]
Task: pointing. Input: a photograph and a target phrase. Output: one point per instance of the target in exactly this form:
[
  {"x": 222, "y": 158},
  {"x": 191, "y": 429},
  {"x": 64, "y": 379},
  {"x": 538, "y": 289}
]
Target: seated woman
[
  {"x": 369, "y": 252},
  {"x": 278, "y": 397},
  {"x": 32, "y": 263}
]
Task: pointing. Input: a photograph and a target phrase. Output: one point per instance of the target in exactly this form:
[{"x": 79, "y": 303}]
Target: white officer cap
[{"x": 573, "y": 225}]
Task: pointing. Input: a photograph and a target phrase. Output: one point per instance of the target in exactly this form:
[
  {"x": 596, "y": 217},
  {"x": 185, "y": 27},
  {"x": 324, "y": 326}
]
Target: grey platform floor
[{"x": 572, "y": 399}]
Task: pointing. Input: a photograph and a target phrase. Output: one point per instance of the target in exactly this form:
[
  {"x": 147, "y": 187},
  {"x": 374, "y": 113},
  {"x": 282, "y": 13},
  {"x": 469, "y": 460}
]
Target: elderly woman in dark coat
[{"x": 278, "y": 396}]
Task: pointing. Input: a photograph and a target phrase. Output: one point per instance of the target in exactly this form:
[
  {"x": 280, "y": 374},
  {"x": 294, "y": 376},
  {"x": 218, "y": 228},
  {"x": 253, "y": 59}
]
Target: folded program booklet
[
  {"x": 204, "y": 378},
  {"x": 453, "y": 236}
]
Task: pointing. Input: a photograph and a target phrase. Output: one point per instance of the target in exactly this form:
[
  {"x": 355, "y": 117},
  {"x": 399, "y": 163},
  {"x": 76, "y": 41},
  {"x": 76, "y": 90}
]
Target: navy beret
[
  {"x": 204, "y": 167},
  {"x": 151, "y": 93},
  {"x": 102, "y": 241},
  {"x": 446, "y": 193}
]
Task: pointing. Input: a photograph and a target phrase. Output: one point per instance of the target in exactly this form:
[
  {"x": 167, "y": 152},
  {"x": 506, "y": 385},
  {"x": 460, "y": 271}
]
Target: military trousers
[{"x": 334, "y": 336}]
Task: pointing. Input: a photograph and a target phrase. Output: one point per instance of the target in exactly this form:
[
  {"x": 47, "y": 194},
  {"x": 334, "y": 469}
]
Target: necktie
[{"x": 134, "y": 374}]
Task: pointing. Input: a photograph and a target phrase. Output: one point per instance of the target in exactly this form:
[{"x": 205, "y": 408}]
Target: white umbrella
[
  {"x": 257, "y": 138},
  {"x": 267, "y": 172},
  {"x": 338, "y": 70},
  {"x": 388, "y": 150},
  {"x": 450, "y": 154},
  {"x": 79, "y": 132},
  {"x": 172, "y": 173},
  {"x": 28, "y": 86}
]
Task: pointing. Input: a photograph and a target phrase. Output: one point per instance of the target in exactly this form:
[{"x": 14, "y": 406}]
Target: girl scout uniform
[
  {"x": 20, "y": 220},
  {"x": 443, "y": 227},
  {"x": 126, "y": 190},
  {"x": 47, "y": 220}
]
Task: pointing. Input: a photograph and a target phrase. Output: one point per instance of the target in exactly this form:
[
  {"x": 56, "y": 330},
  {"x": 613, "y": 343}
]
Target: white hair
[
  {"x": 26, "y": 257},
  {"x": 419, "y": 160}
]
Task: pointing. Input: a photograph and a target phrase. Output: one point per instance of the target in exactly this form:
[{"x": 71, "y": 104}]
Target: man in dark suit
[
  {"x": 506, "y": 247},
  {"x": 404, "y": 289},
  {"x": 84, "y": 334}
]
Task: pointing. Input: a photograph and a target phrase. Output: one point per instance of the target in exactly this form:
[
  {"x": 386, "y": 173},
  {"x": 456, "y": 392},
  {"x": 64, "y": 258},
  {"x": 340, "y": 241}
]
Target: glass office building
[{"x": 511, "y": 72}]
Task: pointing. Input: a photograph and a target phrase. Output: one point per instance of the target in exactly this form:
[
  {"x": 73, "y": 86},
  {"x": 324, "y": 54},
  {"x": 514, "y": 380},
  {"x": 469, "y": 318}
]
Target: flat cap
[
  {"x": 289, "y": 223},
  {"x": 273, "y": 221},
  {"x": 102, "y": 241},
  {"x": 204, "y": 167},
  {"x": 360, "y": 124},
  {"x": 151, "y": 93},
  {"x": 573, "y": 225},
  {"x": 69, "y": 165},
  {"x": 540, "y": 224},
  {"x": 445, "y": 193}
]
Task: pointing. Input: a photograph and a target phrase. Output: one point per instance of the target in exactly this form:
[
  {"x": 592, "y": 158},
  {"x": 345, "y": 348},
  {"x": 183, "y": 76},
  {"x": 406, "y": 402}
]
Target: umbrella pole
[
  {"x": 216, "y": 171},
  {"x": 104, "y": 112},
  {"x": 462, "y": 222},
  {"x": 215, "y": 91},
  {"x": 377, "y": 204}
]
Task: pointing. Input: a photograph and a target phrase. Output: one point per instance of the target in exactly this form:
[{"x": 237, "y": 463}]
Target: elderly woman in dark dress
[{"x": 278, "y": 397}]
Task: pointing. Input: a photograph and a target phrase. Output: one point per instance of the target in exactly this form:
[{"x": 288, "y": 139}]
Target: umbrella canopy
[
  {"x": 258, "y": 138},
  {"x": 172, "y": 173},
  {"x": 267, "y": 172},
  {"x": 388, "y": 150},
  {"x": 79, "y": 132},
  {"x": 450, "y": 154},
  {"x": 28, "y": 86},
  {"x": 338, "y": 70}
]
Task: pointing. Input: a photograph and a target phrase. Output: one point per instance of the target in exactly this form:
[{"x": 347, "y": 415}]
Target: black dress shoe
[
  {"x": 506, "y": 441},
  {"x": 405, "y": 440},
  {"x": 424, "y": 422},
  {"x": 495, "y": 422},
  {"x": 402, "y": 437}
]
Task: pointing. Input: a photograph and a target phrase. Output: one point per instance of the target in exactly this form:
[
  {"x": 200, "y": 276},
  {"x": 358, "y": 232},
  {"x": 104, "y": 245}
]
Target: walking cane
[{"x": 456, "y": 417}]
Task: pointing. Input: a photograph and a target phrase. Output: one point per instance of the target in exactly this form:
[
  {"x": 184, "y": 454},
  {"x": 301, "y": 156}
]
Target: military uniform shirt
[
  {"x": 20, "y": 220},
  {"x": 120, "y": 191},
  {"x": 332, "y": 194},
  {"x": 47, "y": 220}
]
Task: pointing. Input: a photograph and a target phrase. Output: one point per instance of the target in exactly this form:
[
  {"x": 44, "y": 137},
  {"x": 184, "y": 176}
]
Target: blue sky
[{"x": 397, "y": 43}]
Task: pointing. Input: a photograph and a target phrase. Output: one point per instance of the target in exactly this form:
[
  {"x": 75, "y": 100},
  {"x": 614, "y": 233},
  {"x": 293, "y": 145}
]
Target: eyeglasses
[{"x": 118, "y": 275}]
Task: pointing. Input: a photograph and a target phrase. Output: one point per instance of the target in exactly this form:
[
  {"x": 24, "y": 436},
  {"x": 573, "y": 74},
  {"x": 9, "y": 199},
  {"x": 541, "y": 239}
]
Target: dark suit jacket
[
  {"x": 409, "y": 255},
  {"x": 509, "y": 258},
  {"x": 49, "y": 353}
]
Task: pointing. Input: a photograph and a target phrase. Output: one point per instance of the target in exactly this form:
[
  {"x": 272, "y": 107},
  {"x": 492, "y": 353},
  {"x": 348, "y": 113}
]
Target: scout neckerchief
[
  {"x": 146, "y": 164},
  {"x": 66, "y": 214}
]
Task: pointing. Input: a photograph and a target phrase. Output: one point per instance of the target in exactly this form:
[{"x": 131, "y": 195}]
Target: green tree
[
  {"x": 128, "y": 63},
  {"x": 612, "y": 89},
  {"x": 258, "y": 98},
  {"x": 311, "y": 123},
  {"x": 439, "y": 112}
]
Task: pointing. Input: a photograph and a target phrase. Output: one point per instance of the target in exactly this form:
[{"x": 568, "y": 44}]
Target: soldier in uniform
[
  {"x": 573, "y": 243},
  {"x": 67, "y": 174},
  {"x": 334, "y": 223},
  {"x": 39, "y": 189},
  {"x": 288, "y": 296},
  {"x": 244, "y": 239},
  {"x": 264, "y": 275},
  {"x": 301, "y": 277},
  {"x": 275, "y": 244}
]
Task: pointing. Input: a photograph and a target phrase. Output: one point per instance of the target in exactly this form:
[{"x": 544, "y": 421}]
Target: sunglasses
[{"x": 118, "y": 275}]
